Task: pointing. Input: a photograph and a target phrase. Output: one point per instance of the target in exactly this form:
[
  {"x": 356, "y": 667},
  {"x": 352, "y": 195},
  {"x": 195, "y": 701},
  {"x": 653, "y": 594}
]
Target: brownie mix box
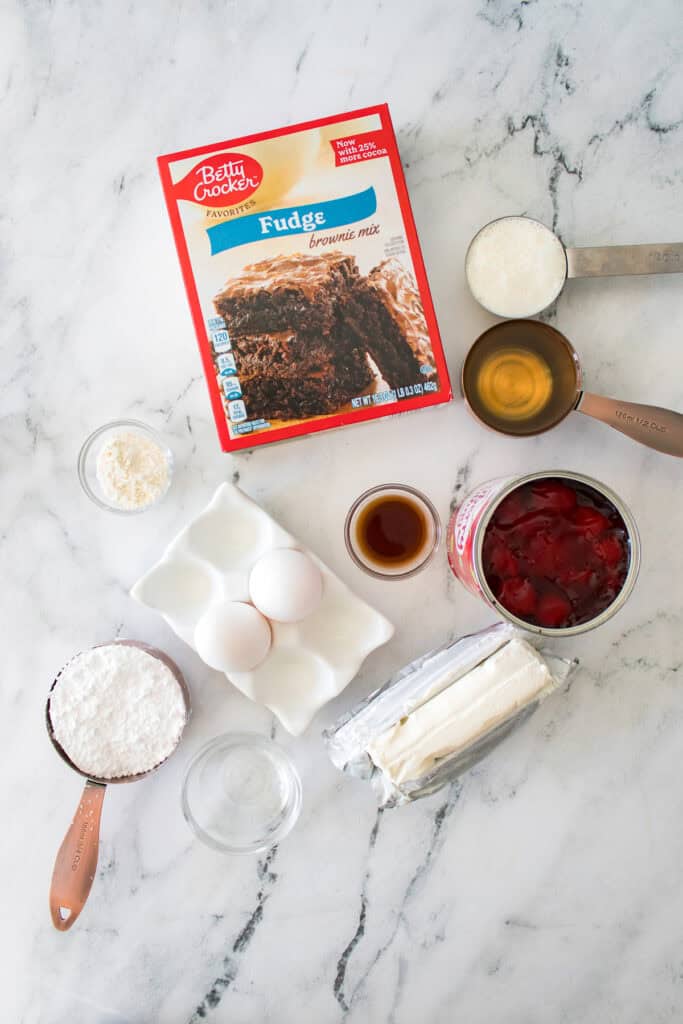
[{"x": 305, "y": 278}]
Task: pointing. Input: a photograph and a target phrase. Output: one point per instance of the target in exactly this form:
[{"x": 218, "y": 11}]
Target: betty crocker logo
[{"x": 221, "y": 180}]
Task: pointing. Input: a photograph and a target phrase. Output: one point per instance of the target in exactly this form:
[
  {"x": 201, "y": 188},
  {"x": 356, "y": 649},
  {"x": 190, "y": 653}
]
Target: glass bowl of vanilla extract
[{"x": 392, "y": 531}]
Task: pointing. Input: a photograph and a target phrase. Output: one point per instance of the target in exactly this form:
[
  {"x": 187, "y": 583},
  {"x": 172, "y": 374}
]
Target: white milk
[{"x": 515, "y": 266}]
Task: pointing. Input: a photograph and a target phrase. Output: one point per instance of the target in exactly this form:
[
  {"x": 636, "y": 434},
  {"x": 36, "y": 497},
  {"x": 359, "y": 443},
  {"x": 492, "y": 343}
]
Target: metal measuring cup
[
  {"x": 581, "y": 261},
  {"x": 76, "y": 861},
  {"x": 650, "y": 425}
]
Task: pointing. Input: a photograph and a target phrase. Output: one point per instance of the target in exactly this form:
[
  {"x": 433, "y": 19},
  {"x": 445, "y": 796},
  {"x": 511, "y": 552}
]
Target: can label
[{"x": 463, "y": 530}]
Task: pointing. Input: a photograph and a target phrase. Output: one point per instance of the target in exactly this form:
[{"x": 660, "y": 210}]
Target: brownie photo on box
[
  {"x": 285, "y": 375},
  {"x": 302, "y": 328},
  {"x": 385, "y": 312},
  {"x": 287, "y": 293},
  {"x": 394, "y": 288}
]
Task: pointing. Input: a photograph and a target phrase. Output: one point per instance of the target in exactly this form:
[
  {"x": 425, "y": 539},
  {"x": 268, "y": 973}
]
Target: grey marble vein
[{"x": 267, "y": 879}]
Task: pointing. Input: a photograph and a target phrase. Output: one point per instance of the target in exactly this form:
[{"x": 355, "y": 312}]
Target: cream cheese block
[{"x": 462, "y": 713}]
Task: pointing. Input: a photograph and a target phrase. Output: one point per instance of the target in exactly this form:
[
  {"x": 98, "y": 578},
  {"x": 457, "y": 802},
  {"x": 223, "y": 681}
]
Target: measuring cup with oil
[
  {"x": 523, "y": 377},
  {"x": 76, "y": 861},
  {"x": 516, "y": 266}
]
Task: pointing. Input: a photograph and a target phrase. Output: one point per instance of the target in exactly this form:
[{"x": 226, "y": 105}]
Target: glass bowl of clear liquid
[{"x": 241, "y": 793}]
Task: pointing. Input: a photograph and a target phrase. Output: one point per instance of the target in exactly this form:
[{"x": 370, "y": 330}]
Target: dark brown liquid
[
  {"x": 543, "y": 346},
  {"x": 391, "y": 530}
]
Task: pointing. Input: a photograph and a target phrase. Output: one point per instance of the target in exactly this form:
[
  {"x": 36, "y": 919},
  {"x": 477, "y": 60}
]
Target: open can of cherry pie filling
[{"x": 556, "y": 552}]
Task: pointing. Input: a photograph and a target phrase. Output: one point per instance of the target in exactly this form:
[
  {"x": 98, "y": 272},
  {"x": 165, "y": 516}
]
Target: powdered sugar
[{"x": 117, "y": 710}]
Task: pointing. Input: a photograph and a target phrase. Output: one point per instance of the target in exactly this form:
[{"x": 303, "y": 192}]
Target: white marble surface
[{"x": 546, "y": 885}]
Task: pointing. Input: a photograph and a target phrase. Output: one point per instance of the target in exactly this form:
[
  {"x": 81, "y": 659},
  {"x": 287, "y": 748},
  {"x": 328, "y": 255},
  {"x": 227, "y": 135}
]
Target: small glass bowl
[
  {"x": 241, "y": 793},
  {"x": 422, "y": 558},
  {"x": 87, "y": 462}
]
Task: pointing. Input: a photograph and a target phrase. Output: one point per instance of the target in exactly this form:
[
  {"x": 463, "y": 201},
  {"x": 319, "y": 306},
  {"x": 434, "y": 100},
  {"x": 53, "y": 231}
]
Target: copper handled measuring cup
[
  {"x": 522, "y": 377},
  {"x": 76, "y": 861}
]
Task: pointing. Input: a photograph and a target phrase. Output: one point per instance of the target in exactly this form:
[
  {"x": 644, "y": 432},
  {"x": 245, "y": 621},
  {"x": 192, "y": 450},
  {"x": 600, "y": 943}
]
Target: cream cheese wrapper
[
  {"x": 410, "y": 687},
  {"x": 464, "y": 712},
  {"x": 445, "y": 711}
]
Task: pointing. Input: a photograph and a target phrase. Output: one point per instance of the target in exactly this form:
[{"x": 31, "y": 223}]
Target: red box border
[{"x": 248, "y": 441}]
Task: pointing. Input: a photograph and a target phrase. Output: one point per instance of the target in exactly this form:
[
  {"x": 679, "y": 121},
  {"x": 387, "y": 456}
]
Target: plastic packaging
[{"x": 380, "y": 717}]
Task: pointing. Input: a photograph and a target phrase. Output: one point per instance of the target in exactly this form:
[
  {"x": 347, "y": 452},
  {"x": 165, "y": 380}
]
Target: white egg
[
  {"x": 232, "y": 637},
  {"x": 286, "y": 585}
]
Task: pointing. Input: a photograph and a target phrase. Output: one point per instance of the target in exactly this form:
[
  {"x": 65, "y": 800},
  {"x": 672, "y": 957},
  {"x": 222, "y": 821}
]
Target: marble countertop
[{"x": 545, "y": 885}]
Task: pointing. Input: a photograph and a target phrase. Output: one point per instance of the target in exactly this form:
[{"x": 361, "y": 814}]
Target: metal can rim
[{"x": 634, "y": 546}]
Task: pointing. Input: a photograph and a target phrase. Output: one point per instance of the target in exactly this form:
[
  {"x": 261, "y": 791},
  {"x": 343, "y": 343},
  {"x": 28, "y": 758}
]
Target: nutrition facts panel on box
[{"x": 218, "y": 334}]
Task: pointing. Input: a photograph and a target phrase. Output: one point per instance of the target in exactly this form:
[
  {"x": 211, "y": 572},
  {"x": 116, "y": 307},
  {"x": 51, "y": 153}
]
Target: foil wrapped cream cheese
[{"x": 477, "y": 702}]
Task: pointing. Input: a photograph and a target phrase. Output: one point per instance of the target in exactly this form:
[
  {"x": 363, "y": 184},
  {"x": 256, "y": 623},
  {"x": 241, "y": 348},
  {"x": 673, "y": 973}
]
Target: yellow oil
[
  {"x": 520, "y": 377},
  {"x": 514, "y": 383}
]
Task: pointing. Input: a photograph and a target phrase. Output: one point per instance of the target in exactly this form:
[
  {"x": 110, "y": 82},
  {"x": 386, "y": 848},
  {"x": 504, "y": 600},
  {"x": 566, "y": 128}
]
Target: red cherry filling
[
  {"x": 581, "y": 578},
  {"x": 518, "y": 596},
  {"x": 553, "y": 609},
  {"x": 555, "y": 553},
  {"x": 609, "y": 549},
  {"x": 553, "y": 495},
  {"x": 590, "y": 521},
  {"x": 613, "y": 584},
  {"x": 501, "y": 560},
  {"x": 511, "y": 509},
  {"x": 531, "y": 523}
]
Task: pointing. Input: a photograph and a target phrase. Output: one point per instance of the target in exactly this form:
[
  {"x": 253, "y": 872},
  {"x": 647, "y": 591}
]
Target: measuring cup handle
[
  {"x": 76, "y": 861},
  {"x": 661, "y": 429},
  {"x": 615, "y": 260}
]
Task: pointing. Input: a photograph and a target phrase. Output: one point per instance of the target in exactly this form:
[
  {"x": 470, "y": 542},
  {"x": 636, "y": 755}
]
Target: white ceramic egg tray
[{"x": 309, "y": 662}]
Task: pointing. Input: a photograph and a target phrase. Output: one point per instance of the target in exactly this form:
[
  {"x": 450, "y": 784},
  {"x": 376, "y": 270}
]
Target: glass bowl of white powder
[{"x": 125, "y": 467}]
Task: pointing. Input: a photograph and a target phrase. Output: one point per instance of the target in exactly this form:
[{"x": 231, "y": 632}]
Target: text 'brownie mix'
[{"x": 305, "y": 278}]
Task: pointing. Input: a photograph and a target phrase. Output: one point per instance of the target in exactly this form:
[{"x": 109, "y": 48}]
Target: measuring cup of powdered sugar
[
  {"x": 114, "y": 714},
  {"x": 516, "y": 266}
]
